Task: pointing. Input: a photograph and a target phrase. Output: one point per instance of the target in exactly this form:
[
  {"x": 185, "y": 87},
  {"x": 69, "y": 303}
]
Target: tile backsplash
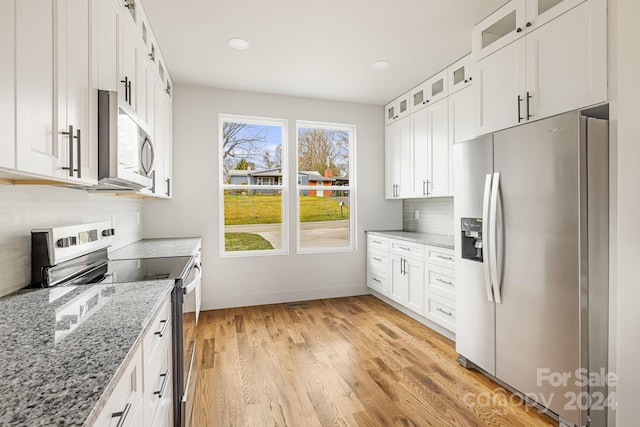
[
  {"x": 24, "y": 207},
  {"x": 435, "y": 215}
]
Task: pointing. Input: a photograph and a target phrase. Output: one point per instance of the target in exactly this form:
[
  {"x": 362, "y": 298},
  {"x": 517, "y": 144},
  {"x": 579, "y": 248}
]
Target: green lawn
[
  {"x": 266, "y": 209},
  {"x": 245, "y": 242}
]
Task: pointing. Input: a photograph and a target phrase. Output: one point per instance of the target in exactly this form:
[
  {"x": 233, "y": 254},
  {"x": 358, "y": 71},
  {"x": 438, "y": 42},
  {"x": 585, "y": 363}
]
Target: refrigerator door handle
[
  {"x": 493, "y": 233},
  {"x": 485, "y": 233}
]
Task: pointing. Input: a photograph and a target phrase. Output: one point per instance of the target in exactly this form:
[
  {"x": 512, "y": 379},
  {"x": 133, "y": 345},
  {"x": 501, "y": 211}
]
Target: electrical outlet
[{"x": 417, "y": 214}]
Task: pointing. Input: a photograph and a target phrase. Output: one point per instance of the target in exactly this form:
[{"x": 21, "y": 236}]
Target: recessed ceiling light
[
  {"x": 380, "y": 64},
  {"x": 238, "y": 43}
]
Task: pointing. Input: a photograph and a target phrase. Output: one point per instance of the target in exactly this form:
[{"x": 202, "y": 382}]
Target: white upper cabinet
[
  {"x": 430, "y": 91},
  {"x": 460, "y": 123},
  {"x": 566, "y": 61},
  {"x": 459, "y": 74},
  {"x": 540, "y": 12},
  {"x": 105, "y": 31},
  {"x": 513, "y": 20},
  {"x": 7, "y": 85},
  {"x": 75, "y": 136},
  {"x": 439, "y": 149},
  {"x": 499, "y": 88},
  {"x": 420, "y": 145},
  {"x": 557, "y": 67},
  {"x": 128, "y": 66},
  {"x": 398, "y": 168},
  {"x": 395, "y": 110},
  {"x": 36, "y": 146},
  {"x": 504, "y": 26}
]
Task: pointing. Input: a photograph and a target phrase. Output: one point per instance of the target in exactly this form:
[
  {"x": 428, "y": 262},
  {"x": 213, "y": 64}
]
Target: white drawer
[
  {"x": 377, "y": 281},
  {"x": 440, "y": 310},
  {"x": 378, "y": 260},
  {"x": 159, "y": 332},
  {"x": 375, "y": 241},
  {"x": 440, "y": 256},
  {"x": 440, "y": 281},
  {"x": 125, "y": 406},
  {"x": 158, "y": 384},
  {"x": 407, "y": 249}
]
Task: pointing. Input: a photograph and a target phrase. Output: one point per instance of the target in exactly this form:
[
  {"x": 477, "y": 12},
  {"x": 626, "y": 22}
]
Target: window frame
[
  {"x": 283, "y": 187},
  {"x": 351, "y": 188}
]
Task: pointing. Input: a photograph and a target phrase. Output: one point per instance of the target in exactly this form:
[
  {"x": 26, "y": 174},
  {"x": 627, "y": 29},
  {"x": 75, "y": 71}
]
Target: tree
[
  {"x": 244, "y": 165},
  {"x": 321, "y": 149},
  {"x": 273, "y": 159}
]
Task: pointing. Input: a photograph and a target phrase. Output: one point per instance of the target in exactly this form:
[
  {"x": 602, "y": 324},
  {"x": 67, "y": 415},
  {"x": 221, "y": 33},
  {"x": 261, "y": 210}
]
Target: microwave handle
[{"x": 148, "y": 170}]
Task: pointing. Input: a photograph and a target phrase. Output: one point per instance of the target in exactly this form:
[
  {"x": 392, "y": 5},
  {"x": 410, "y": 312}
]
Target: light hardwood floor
[{"x": 340, "y": 362}]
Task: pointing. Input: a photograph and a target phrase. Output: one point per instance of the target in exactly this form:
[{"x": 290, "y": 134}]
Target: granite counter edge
[{"x": 424, "y": 241}]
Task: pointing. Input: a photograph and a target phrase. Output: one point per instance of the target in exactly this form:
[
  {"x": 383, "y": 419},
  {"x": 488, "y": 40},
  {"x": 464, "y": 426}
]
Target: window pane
[
  {"x": 253, "y": 220},
  {"x": 323, "y": 169},
  {"x": 324, "y": 219},
  {"x": 251, "y": 154},
  {"x": 253, "y": 183}
]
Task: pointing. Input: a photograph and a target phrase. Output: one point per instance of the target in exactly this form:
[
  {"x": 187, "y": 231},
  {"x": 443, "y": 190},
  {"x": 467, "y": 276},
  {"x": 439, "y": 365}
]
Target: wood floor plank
[{"x": 352, "y": 361}]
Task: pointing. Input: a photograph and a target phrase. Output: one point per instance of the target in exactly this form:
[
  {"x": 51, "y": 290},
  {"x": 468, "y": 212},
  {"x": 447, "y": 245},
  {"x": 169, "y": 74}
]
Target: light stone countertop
[
  {"x": 158, "y": 248},
  {"x": 439, "y": 240},
  {"x": 60, "y": 352}
]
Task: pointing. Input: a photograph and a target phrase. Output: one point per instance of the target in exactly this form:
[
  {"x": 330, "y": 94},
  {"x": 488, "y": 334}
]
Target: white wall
[
  {"x": 24, "y": 207},
  {"x": 194, "y": 209},
  {"x": 625, "y": 93}
]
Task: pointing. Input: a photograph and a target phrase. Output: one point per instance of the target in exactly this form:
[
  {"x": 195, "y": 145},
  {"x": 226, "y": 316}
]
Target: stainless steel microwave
[{"x": 126, "y": 155}]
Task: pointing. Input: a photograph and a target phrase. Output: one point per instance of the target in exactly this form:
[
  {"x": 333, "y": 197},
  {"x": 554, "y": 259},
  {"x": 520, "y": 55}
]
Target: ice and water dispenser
[{"x": 472, "y": 238}]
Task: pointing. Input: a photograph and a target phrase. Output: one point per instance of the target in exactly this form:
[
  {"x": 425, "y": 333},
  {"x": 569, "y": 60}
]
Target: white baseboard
[
  {"x": 245, "y": 300},
  {"x": 428, "y": 323}
]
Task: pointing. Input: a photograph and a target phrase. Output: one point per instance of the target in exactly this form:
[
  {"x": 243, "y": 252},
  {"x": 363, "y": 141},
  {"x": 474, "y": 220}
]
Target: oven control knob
[
  {"x": 109, "y": 232},
  {"x": 65, "y": 242}
]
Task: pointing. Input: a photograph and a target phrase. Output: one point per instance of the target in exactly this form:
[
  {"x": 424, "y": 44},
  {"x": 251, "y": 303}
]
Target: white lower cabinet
[
  {"x": 144, "y": 394},
  {"x": 419, "y": 277}
]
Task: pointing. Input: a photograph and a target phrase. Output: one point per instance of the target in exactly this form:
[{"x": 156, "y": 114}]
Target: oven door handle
[{"x": 195, "y": 282}]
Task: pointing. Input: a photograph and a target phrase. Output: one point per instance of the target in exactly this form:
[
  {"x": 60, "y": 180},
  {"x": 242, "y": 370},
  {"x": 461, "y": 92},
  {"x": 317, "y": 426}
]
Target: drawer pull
[
  {"x": 445, "y": 312},
  {"x": 377, "y": 259},
  {"x": 448, "y": 258},
  {"x": 377, "y": 242},
  {"x": 404, "y": 248},
  {"x": 122, "y": 414},
  {"x": 164, "y": 377},
  {"x": 161, "y": 332},
  {"x": 375, "y": 280},
  {"x": 445, "y": 282}
]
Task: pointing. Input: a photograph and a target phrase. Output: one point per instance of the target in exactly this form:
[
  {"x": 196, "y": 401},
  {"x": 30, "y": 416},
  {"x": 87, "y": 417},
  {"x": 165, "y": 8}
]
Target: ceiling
[{"x": 318, "y": 49}]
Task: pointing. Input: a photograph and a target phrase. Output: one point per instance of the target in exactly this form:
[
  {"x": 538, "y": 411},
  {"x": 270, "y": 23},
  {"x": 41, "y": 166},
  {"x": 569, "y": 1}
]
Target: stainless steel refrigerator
[{"x": 531, "y": 217}]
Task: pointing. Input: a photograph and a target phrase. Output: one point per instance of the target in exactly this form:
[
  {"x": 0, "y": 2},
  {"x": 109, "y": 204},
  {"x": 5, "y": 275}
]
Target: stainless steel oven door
[{"x": 190, "y": 313}]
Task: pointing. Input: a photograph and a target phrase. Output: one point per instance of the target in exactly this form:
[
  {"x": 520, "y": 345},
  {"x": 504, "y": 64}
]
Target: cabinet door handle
[
  {"x": 528, "y": 98},
  {"x": 375, "y": 280},
  {"x": 445, "y": 282},
  {"x": 168, "y": 181},
  {"x": 129, "y": 88},
  {"x": 448, "y": 258},
  {"x": 448, "y": 313},
  {"x": 518, "y": 30},
  {"x": 528, "y": 24},
  {"x": 122, "y": 414},
  {"x": 126, "y": 88},
  {"x": 424, "y": 185},
  {"x": 161, "y": 332},
  {"x": 519, "y": 115},
  {"x": 79, "y": 141},
  {"x": 71, "y": 137},
  {"x": 164, "y": 377}
]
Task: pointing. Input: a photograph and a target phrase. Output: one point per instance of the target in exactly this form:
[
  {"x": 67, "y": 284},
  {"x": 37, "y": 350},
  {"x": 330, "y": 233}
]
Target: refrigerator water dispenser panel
[{"x": 471, "y": 238}]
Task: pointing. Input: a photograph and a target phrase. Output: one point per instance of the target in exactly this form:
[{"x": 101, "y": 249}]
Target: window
[
  {"x": 253, "y": 191},
  {"x": 326, "y": 217}
]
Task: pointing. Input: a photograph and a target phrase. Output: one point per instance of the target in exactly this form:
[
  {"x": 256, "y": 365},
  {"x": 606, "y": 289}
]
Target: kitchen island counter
[{"x": 62, "y": 350}]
